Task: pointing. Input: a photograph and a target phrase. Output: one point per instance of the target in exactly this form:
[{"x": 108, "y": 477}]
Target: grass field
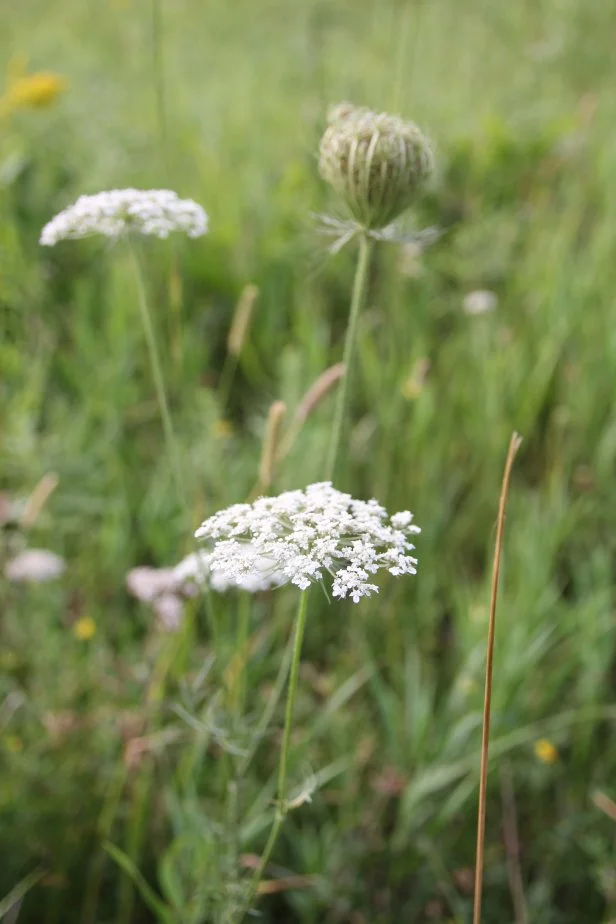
[{"x": 120, "y": 742}]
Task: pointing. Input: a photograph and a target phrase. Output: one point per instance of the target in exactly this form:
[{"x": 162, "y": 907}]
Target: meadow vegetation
[{"x": 122, "y": 739}]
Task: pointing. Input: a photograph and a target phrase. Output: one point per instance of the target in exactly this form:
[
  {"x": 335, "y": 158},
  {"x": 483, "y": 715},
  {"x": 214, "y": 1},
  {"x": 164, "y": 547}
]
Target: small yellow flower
[
  {"x": 32, "y": 91},
  {"x": 222, "y": 430},
  {"x": 84, "y": 629},
  {"x": 13, "y": 744},
  {"x": 545, "y": 751}
]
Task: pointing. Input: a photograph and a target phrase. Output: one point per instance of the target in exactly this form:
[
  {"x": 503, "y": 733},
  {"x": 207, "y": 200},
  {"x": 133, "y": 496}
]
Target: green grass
[{"x": 520, "y": 102}]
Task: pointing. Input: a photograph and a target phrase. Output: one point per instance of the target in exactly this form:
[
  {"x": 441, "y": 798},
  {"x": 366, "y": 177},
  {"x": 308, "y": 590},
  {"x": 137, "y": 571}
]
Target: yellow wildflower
[
  {"x": 84, "y": 629},
  {"x": 13, "y": 744},
  {"x": 545, "y": 751},
  {"x": 31, "y": 91}
]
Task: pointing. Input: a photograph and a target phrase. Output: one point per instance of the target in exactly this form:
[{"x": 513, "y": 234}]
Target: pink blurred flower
[{"x": 34, "y": 566}]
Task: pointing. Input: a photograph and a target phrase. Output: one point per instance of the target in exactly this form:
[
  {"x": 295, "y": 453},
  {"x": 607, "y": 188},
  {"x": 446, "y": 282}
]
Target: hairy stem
[{"x": 357, "y": 301}]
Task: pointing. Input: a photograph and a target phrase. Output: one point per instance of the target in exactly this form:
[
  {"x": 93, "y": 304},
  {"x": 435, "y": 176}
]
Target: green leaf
[
  {"x": 17, "y": 893},
  {"x": 154, "y": 903}
]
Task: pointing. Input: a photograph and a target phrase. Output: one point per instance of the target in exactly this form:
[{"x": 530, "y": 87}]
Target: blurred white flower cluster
[
  {"x": 165, "y": 589},
  {"x": 34, "y": 566},
  {"x": 301, "y": 536},
  {"x": 155, "y": 212},
  {"x": 481, "y": 301},
  {"x": 196, "y": 570}
]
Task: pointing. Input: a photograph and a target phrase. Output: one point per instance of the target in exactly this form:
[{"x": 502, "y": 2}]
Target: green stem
[
  {"x": 144, "y": 774},
  {"x": 282, "y": 808},
  {"x": 133, "y": 846},
  {"x": 243, "y": 636},
  {"x": 157, "y": 374},
  {"x": 357, "y": 300},
  {"x": 158, "y": 67},
  {"x": 163, "y": 404}
]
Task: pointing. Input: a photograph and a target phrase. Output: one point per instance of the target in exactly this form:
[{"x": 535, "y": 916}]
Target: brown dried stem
[{"x": 514, "y": 444}]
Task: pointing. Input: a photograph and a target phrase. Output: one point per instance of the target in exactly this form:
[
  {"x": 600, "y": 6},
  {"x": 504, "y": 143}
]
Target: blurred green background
[{"x": 225, "y": 103}]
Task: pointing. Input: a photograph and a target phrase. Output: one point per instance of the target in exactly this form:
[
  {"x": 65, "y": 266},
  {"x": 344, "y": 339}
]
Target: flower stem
[
  {"x": 242, "y": 651},
  {"x": 485, "y": 737},
  {"x": 159, "y": 382},
  {"x": 282, "y": 807},
  {"x": 357, "y": 300},
  {"x": 158, "y": 68}
]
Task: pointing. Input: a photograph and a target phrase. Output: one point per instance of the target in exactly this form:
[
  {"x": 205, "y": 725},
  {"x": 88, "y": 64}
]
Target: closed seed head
[{"x": 376, "y": 162}]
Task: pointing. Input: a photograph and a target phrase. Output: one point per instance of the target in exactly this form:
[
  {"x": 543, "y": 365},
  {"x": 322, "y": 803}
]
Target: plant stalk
[
  {"x": 514, "y": 444},
  {"x": 157, "y": 374},
  {"x": 158, "y": 68},
  {"x": 357, "y": 300},
  {"x": 282, "y": 806}
]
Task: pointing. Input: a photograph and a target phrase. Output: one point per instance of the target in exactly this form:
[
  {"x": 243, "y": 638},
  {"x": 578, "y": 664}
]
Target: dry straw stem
[
  {"x": 267, "y": 467},
  {"x": 317, "y": 392},
  {"x": 514, "y": 445},
  {"x": 37, "y": 500},
  {"x": 241, "y": 319}
]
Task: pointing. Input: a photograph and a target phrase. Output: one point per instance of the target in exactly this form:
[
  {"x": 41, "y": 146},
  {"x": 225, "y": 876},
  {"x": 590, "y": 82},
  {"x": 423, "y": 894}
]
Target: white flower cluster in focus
[
  {"x": 302, "y": 536},
  {"x": 157, "y": 212}
]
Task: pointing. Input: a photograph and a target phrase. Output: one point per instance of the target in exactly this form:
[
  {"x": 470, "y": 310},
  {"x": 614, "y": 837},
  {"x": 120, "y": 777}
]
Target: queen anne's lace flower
[
  {"x": 306, "y": 535},
  {"x": 156, "y": 212}
]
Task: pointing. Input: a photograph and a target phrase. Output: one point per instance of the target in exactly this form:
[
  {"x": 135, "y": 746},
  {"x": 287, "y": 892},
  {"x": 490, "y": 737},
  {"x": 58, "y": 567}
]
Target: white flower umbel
[
  {"x": 308, "y": 536},
  {"x": 155, "y": 212}
]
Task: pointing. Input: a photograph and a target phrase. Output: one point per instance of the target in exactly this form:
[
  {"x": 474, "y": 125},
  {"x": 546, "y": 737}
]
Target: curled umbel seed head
[{"x": 376, "y": 162}]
